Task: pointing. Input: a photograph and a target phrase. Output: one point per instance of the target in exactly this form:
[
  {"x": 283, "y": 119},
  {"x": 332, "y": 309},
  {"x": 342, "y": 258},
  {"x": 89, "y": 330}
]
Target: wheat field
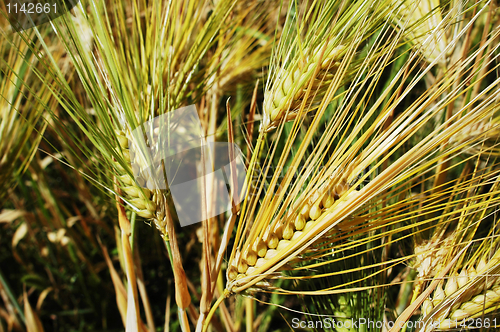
[{"x": 342, "y": 158}]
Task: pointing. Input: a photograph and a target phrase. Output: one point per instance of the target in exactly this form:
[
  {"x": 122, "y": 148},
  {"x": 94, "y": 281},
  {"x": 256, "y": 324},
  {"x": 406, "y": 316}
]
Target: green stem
[
  {"x": 133, "y": 229},
  {"x": 11, "y": 297},
  {"x": 212, "y": 310},
  {"x": 169, "y": 250}
]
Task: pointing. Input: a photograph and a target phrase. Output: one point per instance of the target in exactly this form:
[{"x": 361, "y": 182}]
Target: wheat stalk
[
  {"x": 139, "y": 195},
  {"x": 125, "y": 84},
  {"x": 331, "y": 61},
  {"x": 484, "y": 134}
]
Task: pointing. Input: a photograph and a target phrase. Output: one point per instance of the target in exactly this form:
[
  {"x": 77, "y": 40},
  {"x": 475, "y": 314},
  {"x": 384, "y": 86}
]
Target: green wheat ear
[{"x": 25, "y": 100}]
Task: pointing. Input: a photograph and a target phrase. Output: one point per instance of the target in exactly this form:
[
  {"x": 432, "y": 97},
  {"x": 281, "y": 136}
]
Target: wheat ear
[
  {"x": 290, "y": 88},
  {"x": 426, "y": 27},
  {"x": 471, "y": 300},
  {"x": 140, "y": 197},
  {"x": 305, "y": 213}
]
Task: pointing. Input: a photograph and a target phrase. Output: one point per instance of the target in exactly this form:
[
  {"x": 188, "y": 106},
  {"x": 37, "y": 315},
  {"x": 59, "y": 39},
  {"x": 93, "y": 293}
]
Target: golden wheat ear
[
  {"x": 472, "y": 293},
  {"x": 428, "y": 34},
  {"x": 309, "y": 56},
  {"x": 473, "y": 277}
]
